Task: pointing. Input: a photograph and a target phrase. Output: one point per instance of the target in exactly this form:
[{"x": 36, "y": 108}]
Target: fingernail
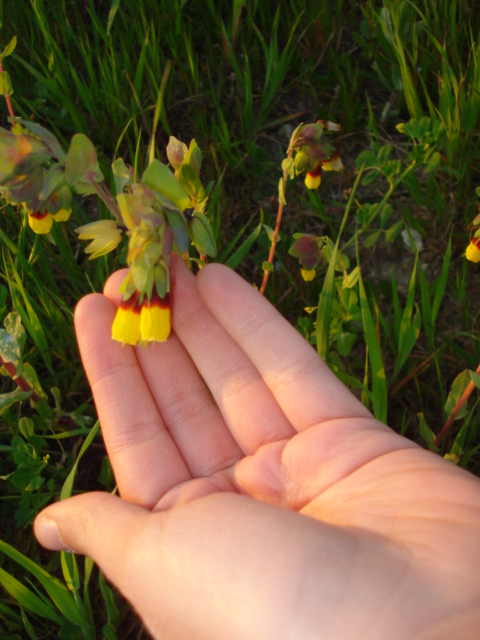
[{"x": 46, "y": 530}]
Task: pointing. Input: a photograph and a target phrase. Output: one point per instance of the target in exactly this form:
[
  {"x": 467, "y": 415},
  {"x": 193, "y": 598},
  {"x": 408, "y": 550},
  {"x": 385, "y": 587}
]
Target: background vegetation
[{"x": 244, "y": 74}]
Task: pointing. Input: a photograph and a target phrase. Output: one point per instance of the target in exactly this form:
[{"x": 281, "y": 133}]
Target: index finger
[{"x": 303, "y": 385}]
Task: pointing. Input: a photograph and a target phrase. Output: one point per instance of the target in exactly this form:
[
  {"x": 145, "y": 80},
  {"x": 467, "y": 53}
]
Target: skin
[{"x": 259, "y": 498}]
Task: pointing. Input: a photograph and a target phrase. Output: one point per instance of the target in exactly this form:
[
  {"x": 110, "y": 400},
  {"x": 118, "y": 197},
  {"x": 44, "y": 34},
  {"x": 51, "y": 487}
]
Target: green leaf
[
  {"x": 426, "y": 433},
  {"x": 26, "y": 427},
  {"x": 194, "y": 156},
  {"x": 54, "y": 179},
  {"x": 46, "y": 137},
  {"x": 371, "y": 176},
  {"x": 457, "y": 389},
  {"x": 372, "y": 238},
  {"x": 82, "y": 168},
  {"x": 178, "y": 225},
  {"x": 433, "y": 162},
  {"x": 9, "y": 49},
  {"x": 121, "y": 175},
  {"x": 9, "y": 399},
  {"x": 30, "y": 376},
  {"x": 6, "y": 88},
  {"x": 392, "y": 232},
  {"x": 203, "y": 235},
  {"x": 288, "y": 167},
  {"x": 12, "y": 340},
  {"x": 368, "y": 158},
  {"x": 191, "y": 183},
  {"x": 281, "y": 191},
  {"x": 351, "y": 279},
  {"x": 158, "y": 177},
  {"x": 345, "y": 342}
]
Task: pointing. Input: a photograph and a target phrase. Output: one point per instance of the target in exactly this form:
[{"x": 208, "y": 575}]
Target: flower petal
[
  {"x": 155, "y": 318},
  {"x": 313, "y": 179},
  {"x": 63, "y": 215},
  {"x": 126, "y": 326},
  {"x": 473, "y": 250},
  {"x": 333, "y": 164},
  {"x": 308, "y": 274},
  {"x": 40, "y": 222}
]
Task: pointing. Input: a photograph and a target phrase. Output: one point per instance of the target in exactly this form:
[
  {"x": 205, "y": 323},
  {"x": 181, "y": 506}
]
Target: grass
[{"x": 239, "y": 77}]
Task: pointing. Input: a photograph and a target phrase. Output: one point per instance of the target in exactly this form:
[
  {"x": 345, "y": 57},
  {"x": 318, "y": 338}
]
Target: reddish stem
[
  {"x": 21, "y": 382},
  {"x": 464, "y": 397},
  {"x": 277, "y": 228}
]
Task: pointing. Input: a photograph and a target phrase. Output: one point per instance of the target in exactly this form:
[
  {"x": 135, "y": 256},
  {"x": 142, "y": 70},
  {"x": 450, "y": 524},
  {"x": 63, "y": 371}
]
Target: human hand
[{"x": 259, "y": 498}]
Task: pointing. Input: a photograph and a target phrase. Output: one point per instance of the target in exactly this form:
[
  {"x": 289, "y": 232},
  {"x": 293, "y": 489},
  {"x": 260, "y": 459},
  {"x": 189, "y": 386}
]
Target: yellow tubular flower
[
  {"x": 42, "y": 222},
  {"x": 314, "y": 177},
  {"x": 473, "y": 250},
  {"x": 126, "y": 326},
  {"x": 333, "y": 164},
  {"x": 308, "y": 274},
  {"x": 155, "y": 318}
]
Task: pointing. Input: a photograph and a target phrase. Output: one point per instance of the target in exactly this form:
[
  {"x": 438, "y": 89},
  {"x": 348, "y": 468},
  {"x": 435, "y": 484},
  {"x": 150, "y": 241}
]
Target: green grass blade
[
  {"x": 111, "y": 15},
  {"x": 379, "y": 382},
  {"x": 410, "y": 324},
  {"x": 325, "y": 302},
  {"x": 27, "y": 598},
  {"x": 57, "y": 591},
  {"x": 236, "y": 258},
  {"x": 68, "y": 484},
  {"x": 442, "y": 282}
]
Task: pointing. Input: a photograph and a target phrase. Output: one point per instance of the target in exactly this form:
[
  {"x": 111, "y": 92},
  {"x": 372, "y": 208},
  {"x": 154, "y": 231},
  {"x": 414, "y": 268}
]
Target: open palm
[{"x": 259, "y": 498}]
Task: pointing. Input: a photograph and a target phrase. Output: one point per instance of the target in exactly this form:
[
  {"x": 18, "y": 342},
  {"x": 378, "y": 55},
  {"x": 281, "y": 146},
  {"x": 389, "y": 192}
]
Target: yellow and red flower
[
  {"x": 146, "y": 321},
  {"x": 313, "y": 178},
  {"x": 473, "y": 250},
  {"x": 42, "y": 221}
]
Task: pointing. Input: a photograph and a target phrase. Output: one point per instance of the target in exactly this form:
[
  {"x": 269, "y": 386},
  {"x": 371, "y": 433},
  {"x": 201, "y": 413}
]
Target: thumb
[{"x": 95, "y": 524}]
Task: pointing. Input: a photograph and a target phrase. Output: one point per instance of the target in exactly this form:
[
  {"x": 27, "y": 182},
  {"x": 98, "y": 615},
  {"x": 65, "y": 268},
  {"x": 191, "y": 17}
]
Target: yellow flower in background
[
  {"x": 105, "y": 236},
  {"x": 333, "y": 164},
  {"x": 473, "y": 250},
  {"x": 148, "y": 321},
  {"x": 308, "y": 274},
  {"x": 41, "y": 222}
]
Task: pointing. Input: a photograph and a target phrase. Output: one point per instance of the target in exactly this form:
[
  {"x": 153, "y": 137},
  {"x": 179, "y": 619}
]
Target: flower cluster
[
  {"x": 31, "y": 177},
  {"x": 313, "y": 153},
  {"x": 153, "y": 212}
]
